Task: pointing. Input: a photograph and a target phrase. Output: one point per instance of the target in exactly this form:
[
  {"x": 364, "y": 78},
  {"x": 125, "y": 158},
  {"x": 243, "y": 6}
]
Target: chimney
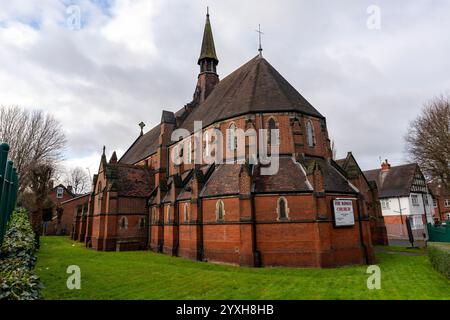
[
  {"x": 70, "y": 189},
  {"x": 385, "y": 166}
]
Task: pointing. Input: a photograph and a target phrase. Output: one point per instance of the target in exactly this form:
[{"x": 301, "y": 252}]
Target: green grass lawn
[{"x": 147, "y": 275}]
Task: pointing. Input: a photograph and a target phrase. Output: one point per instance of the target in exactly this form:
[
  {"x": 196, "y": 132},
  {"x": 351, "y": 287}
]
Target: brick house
[
  {"x": 57, "y": 223},
  {"x": 403, "y": 194},
  {"x": 441, "y": 200},
  {"x": 308, "y": 214}
]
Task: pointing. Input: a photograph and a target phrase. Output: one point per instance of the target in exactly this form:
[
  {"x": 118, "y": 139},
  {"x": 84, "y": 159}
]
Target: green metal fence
[
  {"x": 439, "y": 233},
  {"x": 9, "y": 187}
]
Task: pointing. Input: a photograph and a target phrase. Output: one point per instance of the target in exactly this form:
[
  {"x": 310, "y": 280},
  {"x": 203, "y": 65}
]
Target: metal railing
[{"x": 9, "y": 187}]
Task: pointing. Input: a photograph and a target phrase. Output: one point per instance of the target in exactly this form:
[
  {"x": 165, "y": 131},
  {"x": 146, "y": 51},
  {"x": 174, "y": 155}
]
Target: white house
[{"x": 403, "y": 194}]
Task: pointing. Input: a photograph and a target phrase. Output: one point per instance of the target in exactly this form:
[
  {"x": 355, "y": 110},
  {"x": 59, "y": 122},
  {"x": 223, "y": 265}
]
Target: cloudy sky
[{"x": 125, "y": 61}]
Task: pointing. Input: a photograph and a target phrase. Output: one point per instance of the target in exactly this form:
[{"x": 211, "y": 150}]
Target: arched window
[
  {"x": 154, "y": 215},
  {"x": 232, "y": 137},
  {"x": 186, "y": 212},
  {"x": 123, "y": 223},
  {"x": 310, "y": 133},
  {"x": 168, "y": 214},
  {"x": 220, "y": 210},
  {"x": 272, "y": 125},
  {"x": 282, "y": 209}
]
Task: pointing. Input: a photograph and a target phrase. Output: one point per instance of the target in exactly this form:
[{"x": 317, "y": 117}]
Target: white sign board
[{"x": 343, "y": 213}]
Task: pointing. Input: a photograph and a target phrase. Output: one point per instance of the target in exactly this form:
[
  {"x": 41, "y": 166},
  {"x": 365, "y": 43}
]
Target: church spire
[
  {"x": 208, "y": 61},
  {"x": 208, "y": 58}
]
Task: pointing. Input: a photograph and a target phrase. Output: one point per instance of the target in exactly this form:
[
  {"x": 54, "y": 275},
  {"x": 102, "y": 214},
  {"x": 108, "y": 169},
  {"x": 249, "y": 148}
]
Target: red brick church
[{"x": 314, "y": 212}]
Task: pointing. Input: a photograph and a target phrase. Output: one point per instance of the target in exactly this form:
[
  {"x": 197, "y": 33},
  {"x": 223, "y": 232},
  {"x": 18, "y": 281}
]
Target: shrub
[
  {"x": 17, "y": 260},
  {"x": 439, "y": 255}
]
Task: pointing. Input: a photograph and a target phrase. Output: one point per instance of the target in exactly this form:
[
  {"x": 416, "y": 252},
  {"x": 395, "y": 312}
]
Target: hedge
[
  {"x": 17, "y": 260},
  {"x": 439, "y": 255}
]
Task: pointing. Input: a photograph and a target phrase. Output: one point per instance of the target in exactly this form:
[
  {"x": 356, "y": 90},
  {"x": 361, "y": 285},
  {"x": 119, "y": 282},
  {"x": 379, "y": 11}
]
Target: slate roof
[
  {"x": 290, "y": 178},
  {"x": 394, "y": 183},
  {"x": 216, "y": 184},
  {"x": 334, "y": 181},
  {"x": 143, "y": 147},
  {"x": 130, "y": 181},
  {"x": 254, "y": 87}
]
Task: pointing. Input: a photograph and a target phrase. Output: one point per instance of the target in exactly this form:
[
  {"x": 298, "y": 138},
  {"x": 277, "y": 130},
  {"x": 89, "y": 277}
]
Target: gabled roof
[
  {"x": 65, "y": 190},
  {"x": 396, "y": 182},
  {"x": 143, "y": 147},
  {"x": 333, "y": 179},
  {"x": 351, "y": 167},
  {"x": 129, "y": 180},
  {"x": 254, "y": 87}
]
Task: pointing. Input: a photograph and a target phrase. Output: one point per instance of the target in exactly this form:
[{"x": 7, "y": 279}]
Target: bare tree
[
  {"x": 35, "y": 139},
  {"x": 37, "y": 143},
  {"x": 428, "y": 139},
  {"x": 79, "y": 180}
]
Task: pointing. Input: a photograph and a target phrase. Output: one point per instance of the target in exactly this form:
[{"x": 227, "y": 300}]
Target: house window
[
  {"x": 123, "y": 223},
  {"x": 168, "y": 214},
  {"x": 415, "y": 200},
  {"x": 220, "y": 211},
  {"x": 186, "y": 212},
  {"x": 206, "y": 136},
  {"x": 385, "y": 204},
  {"x": 416, "y": 222},
  {"x": 447, "y": 203},
  {"x": 59, "y": 192},
  {"x": 273, "y": 129},
  {"x": 282, "y": 209},
  {"x": 232, "y": 138},
  {"x": 310, "y": 133}
]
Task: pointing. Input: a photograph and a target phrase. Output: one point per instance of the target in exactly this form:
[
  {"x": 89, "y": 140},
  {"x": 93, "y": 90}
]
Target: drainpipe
[{"x": 256, "y": 253}]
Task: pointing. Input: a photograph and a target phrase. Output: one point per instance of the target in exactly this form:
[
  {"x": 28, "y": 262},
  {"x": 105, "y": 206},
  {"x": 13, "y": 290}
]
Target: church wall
[
  {"x": 221, "y": 240},
  {"x": 286, "y": 243},
  {"x": 188, "y": 231},
  {"x": 290, "y": 142},
  {"x": 170, "y": 244},
  {"x": 156, "y": 230},
  {"x": 342, "y": 246}
]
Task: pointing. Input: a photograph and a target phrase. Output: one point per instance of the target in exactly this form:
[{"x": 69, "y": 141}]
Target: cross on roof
[{"x": 260, "y": 40}]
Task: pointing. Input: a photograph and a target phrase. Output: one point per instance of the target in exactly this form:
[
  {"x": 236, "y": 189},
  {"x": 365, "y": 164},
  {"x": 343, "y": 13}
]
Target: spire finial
[
  {"x": 260, "y": 40},
  {"x": 207, "y": 11},
  {"x": 104, "y": 150}
]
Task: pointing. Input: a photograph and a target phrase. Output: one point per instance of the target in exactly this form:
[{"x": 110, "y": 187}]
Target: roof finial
[
  {"x": 260, "y": 41},
  {"x": 142, "y": 125},
  {"x": 207, "y": 11},
  {"x": 104, "y": 150}
]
